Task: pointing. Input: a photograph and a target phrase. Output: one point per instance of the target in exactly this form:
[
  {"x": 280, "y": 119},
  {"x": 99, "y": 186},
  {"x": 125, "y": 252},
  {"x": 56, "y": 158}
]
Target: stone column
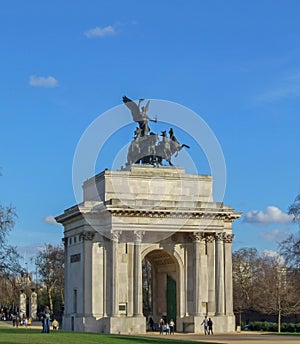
[
  {"x": 104, "y": 279},
  {"x": 185, "y": 267},
  {"x": 115, "y": 275},
  {"x": 67, "y": 305},
  {"x": 198, "y": 251},
  {"x": 220, "y": 292},
  {"x": 33, "y": 305},
  {"x": 228, "y": 274},
  {"x": 99, "y": 279},
  {"x": 137, "y": 275},
  {"x": 87, "y": 237},
  {"x": 211, "y": 307}
]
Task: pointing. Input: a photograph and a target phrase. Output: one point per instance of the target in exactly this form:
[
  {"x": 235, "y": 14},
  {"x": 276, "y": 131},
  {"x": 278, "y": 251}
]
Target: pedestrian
[
  {"x": 55, "y": 324},
  {"x": 17, "y": 321},
  {"x": 161, "y": 326},
  {"x": 151, "y": 323},
  {"x": 46, "y": 320},
  {"x": 210, "y": 326},
  {"x": 205, "y": 325},
  {"x": 167, "y": 328},
  {"x": 172, "y": 326}
]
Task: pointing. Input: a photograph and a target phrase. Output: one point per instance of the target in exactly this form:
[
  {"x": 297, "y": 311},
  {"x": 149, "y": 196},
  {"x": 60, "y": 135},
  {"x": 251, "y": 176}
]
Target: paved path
[
  {"x": 228, "y": 338},
  {"x": 234, "y": 338},
  {"x": 35, "y": 324}
]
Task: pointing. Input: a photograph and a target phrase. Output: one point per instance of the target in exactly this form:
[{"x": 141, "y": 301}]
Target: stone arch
[{"x": 128, "y": 220}]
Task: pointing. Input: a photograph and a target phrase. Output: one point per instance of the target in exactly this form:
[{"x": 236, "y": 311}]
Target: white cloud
[
  {"x": 100, "y": 32},
  {"x": 289, "y": 87},
  {"x": 41, "y": 81},
  {"x": 27, "y": 251},
  {"x": 271, "y": 215},
  {"x": 51, "y": 220},
  {"x": 271, "y": 253},
  {"x": 274, "y": 235},
  {"x": 289, "y": 91}
]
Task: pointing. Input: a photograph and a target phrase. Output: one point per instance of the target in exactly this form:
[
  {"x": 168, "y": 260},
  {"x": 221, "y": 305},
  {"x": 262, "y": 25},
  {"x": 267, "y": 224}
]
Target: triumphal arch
[{"x": 153, "y": 217}]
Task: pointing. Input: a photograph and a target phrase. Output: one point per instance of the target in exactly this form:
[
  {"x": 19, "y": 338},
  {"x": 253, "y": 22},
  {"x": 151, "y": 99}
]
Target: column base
[
  {"x": 221, "y": 323},
  {"x": 112, "y": 324}
]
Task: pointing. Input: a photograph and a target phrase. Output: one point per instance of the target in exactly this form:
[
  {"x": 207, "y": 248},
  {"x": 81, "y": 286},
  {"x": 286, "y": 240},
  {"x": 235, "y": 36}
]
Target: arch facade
[{"x": 162, "y": 215}]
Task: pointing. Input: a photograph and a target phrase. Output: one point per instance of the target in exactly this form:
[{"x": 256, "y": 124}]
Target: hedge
[{"x": 272, "y": 327}]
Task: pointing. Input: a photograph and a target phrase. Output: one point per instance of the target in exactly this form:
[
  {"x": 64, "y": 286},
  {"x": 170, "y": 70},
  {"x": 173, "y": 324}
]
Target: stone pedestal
[
  {"x": 22, "y": 305},
  {"x": 33, "y": 305}
]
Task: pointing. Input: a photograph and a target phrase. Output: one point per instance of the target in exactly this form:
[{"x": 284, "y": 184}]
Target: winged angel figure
[
  {"x": 146, "y": 148},
  {"x": 139, "y": 114}
]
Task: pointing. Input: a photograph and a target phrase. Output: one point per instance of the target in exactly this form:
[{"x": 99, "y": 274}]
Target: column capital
[
  {"x": 138, "y": 236},
  {"x": 220, "y": 236},
  {"x": 65, "y": 241},
  {"x": 87, "y": 235},
  {"x": 210, "y": 238},
  {"x": 228, "y": 238},
  {"x": 197, "y": 236},
  {"x": 115, "y": 235}
]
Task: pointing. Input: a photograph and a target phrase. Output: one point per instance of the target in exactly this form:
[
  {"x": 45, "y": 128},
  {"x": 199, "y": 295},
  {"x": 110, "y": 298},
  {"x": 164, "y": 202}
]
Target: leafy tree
[{"x": 50, "y": 265}]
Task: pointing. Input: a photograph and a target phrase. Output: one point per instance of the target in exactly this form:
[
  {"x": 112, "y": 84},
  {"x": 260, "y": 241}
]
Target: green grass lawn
[{"x": 33, "y": 336}]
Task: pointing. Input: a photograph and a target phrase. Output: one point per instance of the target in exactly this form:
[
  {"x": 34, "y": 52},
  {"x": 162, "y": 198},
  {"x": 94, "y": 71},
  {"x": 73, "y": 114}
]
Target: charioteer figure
[{"x": 145, "y": 147}]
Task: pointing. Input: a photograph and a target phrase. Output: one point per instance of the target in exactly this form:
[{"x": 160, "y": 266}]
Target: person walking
[
  {"x": 46, "y": 320},
  {"x": 210, "y": 326},
  {"x": 205, "y": 325}
]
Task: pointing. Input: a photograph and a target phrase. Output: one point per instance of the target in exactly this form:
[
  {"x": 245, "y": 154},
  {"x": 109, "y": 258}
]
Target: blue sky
[{"x": 234, "y": 63}]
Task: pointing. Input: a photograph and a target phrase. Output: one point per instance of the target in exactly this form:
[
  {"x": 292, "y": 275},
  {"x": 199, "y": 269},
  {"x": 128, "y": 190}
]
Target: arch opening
[{"x": 160, "y": 285}]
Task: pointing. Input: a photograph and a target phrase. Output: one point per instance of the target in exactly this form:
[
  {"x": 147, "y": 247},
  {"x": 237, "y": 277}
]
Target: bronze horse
[{"x": 146, "y": 147}]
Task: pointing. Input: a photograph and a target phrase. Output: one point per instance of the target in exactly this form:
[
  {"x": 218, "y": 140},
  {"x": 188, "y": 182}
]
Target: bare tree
[
  {"x": 244, "y": 265},
  {"x": 275, "y": 288},
  {"x": 294, "y": 209},
  {"x": 147, "y": 290},
  {"x": 265, "y": 284},
  {"x": 9, "y": 257},
  {"x": 290, "y": 247},
  {"x": 9, "y": 290},
  {"x": 50, "y": 265}
]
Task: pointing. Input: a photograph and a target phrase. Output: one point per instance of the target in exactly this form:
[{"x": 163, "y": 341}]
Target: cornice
[
  {"x": 181, "y": 214},
  {"x": 226, "y": 214}
]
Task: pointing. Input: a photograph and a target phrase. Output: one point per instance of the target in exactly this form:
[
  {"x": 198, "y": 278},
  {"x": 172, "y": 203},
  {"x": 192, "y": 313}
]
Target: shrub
[{"x": 272, "y": 327}]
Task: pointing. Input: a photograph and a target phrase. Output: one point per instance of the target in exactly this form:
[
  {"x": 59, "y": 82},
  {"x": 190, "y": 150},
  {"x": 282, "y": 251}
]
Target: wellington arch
[{"x": 162, "y": 216}]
